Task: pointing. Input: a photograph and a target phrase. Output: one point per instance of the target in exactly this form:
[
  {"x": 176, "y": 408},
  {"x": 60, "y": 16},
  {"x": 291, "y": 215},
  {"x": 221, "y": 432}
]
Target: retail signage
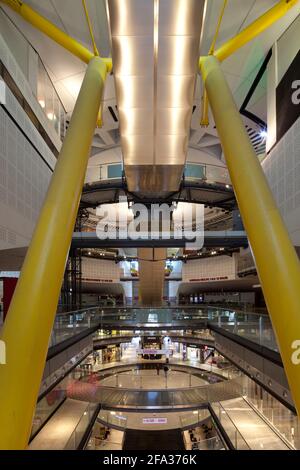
[
  {"x": 206, "y": 279},
  {"x": 288, "y": 98},
  {"x": 152, "y": 351},
  {"x": 155, "y": 420},
  {"x": 99, "y": 281}
]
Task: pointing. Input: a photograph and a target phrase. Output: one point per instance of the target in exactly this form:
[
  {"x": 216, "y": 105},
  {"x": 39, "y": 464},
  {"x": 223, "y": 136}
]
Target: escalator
[{"x": 170, "y": 439}]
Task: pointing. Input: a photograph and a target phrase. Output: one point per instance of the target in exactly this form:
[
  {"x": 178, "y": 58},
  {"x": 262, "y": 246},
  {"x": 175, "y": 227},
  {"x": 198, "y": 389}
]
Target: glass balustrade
[
  {"x": 36, "y": 75},
  {"x": 139, "y": 398},
  {"x": 230, "y": 428},
  {"x": 112, "y": 418},
  {"x": 213, "y": 174},
  {"x": 252, "y": 326},
  {"x": 81, "y": 428}
]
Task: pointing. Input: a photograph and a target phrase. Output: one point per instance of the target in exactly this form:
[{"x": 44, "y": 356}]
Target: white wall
[
  {"x": 173, "y": 288},
  {"x": 100, "y": 270},
  {"x": 108, "y": 156},
  {"x": 209, "y": 269},
  {"x": 16, "y": 43},
  {"x": 24, "y": 176},
  {"x": 282, "y": 164},
  {"x": 282, "y": 168},
  {"x": 128, "y": 290},
  {"x": 125, "y": 268},
  {"x": 197, "y": 156},
  {"x": 283, "y": 53}
]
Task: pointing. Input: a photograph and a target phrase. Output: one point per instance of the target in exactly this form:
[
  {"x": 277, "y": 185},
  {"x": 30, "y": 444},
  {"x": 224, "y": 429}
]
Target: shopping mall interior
[{"x": 149, "y": 225}]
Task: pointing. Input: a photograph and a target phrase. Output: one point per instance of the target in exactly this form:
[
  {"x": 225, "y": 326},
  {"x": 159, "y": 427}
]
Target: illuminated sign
[{"x": 155, "y": 420}]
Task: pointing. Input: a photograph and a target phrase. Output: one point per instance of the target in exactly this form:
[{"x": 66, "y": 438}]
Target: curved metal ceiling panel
[{"x": 155, "y": 47}]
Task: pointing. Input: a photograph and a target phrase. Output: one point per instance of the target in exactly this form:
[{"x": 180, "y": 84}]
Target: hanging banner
[{"x": 288, "y": 98}]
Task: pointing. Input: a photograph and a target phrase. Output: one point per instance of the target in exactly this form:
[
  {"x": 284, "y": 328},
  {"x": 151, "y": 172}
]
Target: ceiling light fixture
[
  {"x": 51, "y": 116},
  {"x": 263, "y": 135}
]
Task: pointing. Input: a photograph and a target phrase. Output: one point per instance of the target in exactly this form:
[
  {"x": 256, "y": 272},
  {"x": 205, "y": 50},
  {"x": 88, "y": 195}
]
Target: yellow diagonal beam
[
  {"x": 96, "y": 52},
  {"x": 30, "y": 318},
  {"x": 245, "y": 36},
  {"x": 255, "y": 28},
  {"x": 53, "y": 32},
  {"x": 204, "y": 119}
]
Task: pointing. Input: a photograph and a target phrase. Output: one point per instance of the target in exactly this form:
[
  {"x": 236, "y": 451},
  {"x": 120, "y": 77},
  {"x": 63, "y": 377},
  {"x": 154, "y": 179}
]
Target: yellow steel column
[
  {"x": 275, "y": 257},
  {"x": 28, "y": 325}
]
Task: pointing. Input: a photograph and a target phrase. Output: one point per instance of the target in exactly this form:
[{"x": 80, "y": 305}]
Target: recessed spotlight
[
  {"x": 263, "y": 134},
  {"x": 51, "y": 116}
]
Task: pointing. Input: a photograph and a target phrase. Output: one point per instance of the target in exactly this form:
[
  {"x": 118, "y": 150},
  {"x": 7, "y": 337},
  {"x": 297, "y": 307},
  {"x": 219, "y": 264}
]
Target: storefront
[
  {"x": 111, "y": 353},
  {"x": 193, "y": 353}
]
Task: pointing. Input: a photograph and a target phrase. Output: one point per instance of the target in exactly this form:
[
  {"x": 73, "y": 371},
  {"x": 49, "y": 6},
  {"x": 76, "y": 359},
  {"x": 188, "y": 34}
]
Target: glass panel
[
  {"x": 49, "y": 100},
  {"x": 114, "y": 171},
  {"x": 231, "y": 430},
  {"x": 194, "y": 170},
  {"x": 78, "y": 433},
  {"x": 255, "y": 327}
]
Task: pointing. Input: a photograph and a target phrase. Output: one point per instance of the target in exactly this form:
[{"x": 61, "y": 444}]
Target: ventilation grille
[{"x": 258, "y": 142}]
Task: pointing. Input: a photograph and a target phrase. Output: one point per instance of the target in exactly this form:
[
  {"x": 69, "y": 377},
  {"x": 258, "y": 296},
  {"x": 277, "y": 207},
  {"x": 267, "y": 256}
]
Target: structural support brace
[
  {"x": 277, "y": 264},
  {"x": 245, "y": 36},
  {"x": 29, "y": 322},
  {"x": 53, "y": 32}
]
